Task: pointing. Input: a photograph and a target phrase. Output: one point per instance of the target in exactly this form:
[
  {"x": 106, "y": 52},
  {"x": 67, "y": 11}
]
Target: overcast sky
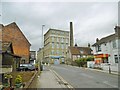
[{"x": 91, "y": 20}]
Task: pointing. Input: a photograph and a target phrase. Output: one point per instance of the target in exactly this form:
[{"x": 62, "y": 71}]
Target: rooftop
[
  {"x": 110, "y": 37},
  {"x": 55, "y": 30},
  {"x": 80, "y": 50}
]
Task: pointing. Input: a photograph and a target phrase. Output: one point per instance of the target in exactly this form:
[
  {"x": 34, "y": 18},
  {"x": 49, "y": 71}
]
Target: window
[
  {"x": 53, "y": 32},
  {"x": 81, "y": 51},
  {"x": 66, "y": 46},
  {"x": 52, "y": 39},
  {"x": 118, "y": 43},
  {"x": 52, "y": 45},
  {"x": 63, "y": 53},
  {"x": 114, "y": 44},
  {"x": 116, "y": 58},
  {"x": 119, "y": 57},
  {"x": 66, "y": 40},
  {"x": 57, "y": 52},
  {"x": 62, "y": 45},
  {"x": 62, "y": 33},
  {"x": 52, "y": 52},
  {"x": 57, "y": 39},
  {"x": 62, "y": 40},
  {"x": 67, "y": 34},
  {"x": 57, "y": 45},
  {"x": 98, "y": 48}
]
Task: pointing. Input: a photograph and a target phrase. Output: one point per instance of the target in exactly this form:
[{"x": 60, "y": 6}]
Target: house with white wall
[{"x": 107, "y": 50}]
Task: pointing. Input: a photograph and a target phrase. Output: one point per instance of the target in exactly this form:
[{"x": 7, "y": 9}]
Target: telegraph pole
[{"x": 40, "y": 67}]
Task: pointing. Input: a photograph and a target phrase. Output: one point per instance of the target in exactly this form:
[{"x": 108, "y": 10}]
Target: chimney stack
[
  {"x": 71, "y": 34},
  {"x": 89, "y": 45},
  {"x": 97, "y": 39},
  {"x": 117, "y": 30}
]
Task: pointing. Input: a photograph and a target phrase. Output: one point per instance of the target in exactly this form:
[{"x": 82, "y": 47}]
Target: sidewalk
[
  {"x": 115, "y": 73},
  {"x": 105, "y": 71},
  {"x": 47, "y": 79}
]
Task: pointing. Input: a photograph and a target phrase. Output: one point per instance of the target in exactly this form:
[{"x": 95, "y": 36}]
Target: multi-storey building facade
[
  {"x": 107, "y": 49},
  {"x": 56, "y": 43}
]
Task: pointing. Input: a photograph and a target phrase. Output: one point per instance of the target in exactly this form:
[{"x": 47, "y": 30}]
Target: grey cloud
[{"x": 90, "y": 19}]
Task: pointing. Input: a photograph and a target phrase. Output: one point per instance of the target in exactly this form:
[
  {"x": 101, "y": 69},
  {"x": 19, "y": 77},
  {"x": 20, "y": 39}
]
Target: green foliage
[
  {"x": 36, "y": 65},
  {"x": 82, "y": 62},
  {"x": 18, "y": 79},
  {"x": 7, "y": 76},
  {"x": 90, "y": 58}
]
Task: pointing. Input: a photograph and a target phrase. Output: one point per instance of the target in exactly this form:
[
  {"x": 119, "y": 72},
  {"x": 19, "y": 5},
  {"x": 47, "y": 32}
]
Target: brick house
[
  {"x": 76, "y": 52},
  {"x": 21, "y": 45}
]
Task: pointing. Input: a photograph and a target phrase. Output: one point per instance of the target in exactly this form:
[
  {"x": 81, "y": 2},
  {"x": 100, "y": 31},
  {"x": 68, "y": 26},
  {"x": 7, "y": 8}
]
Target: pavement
[
  {"x": 47, "y": 79},
  {"x": 104, "y": 71}
]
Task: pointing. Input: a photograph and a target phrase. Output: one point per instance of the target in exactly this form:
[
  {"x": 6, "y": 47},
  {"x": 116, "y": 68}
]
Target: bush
[
  {"x": 82, "y": 62},
  {"x": 18, "y": 79},
  {"x": 7, "y": 76},
  {"x": 90, "y": 58}
]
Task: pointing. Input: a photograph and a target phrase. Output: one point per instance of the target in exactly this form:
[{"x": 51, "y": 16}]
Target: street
[{"x": 85, "y": 78}]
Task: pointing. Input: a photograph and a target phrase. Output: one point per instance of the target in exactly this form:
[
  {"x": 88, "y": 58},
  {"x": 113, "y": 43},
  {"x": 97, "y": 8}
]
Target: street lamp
[
  {"x": 42, "y": 35},
  {"x": 40, "y": 67},
  {"x": 42, "y": 48}
]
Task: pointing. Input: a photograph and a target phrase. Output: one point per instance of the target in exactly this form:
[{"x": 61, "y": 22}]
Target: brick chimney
[
  {"x": 117, "y": 30},
  {"x": 71, "y": 34},
  {"x": 97, "y": 39},
  {"x": 89, "y": 45}
]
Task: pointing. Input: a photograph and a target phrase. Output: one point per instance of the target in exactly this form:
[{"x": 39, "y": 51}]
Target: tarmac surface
[
  {"x": 51, "y": 77},
  {"x": 47, "y": 79}
]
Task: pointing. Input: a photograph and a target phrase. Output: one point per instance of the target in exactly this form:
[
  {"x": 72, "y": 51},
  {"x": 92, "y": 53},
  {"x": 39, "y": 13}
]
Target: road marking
[
  {"x": 63, "y": 80},
  {"x": 107, "y": 83}
]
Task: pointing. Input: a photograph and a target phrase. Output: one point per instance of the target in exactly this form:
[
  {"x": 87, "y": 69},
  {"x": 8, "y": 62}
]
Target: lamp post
[
  {"x": 42, "y": 35},
  {"x": 42, "y": 48}
]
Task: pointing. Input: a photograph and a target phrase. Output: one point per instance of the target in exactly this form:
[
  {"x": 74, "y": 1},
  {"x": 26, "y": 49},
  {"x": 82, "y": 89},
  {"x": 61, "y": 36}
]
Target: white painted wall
[{"x": 108, "y": 49}]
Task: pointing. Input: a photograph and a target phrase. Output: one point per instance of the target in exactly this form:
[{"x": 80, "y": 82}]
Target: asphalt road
[{"x": 85, "y": 78}]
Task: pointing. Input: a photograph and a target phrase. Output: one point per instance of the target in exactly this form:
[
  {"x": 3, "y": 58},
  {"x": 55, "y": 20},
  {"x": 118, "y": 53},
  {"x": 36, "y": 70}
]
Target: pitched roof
[
  {"x": 74, "y": 50},
  {"x": 80, "y": 50},
  {"x": 105, "y": 39},
  {"x": 13, "y": 25},
  {"x": 110, "y": 37}
]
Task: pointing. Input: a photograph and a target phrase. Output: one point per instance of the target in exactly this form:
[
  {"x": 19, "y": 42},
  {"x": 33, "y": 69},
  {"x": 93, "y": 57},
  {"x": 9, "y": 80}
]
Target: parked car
[{"x": 26, "y": 67}]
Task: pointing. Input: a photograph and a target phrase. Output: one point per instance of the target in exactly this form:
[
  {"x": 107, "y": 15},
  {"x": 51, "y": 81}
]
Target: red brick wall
[
  {"x": 20, "y": 44},
  {"x": 1, "y": 32}
]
